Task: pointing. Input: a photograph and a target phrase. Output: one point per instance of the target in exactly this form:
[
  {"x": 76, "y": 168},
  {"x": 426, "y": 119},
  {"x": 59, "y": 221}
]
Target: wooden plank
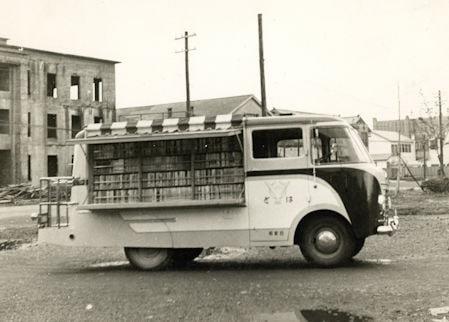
[{"x": 166, "y": 204}]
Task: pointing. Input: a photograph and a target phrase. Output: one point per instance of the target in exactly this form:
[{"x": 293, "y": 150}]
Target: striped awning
[{"x": 162, "y": 129}]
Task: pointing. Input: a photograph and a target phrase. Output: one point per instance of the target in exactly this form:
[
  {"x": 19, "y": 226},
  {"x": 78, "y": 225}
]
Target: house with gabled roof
[
  {"x": 361, "y": 126},
  {"x": 384, "y": 147}
]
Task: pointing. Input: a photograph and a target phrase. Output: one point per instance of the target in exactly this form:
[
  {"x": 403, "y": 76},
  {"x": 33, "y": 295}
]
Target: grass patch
[{"x": 412, "y": 202}]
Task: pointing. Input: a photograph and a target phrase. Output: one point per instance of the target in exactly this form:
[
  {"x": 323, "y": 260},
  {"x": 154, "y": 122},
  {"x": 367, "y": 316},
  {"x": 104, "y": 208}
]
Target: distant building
[
  {"x": 45, "y": 98},
  {"x": 361, "y": 126},
  {"x": 412, "y": 128},
  {"x": 384, "y": 147},
  {"x": 244, "y": 105}
]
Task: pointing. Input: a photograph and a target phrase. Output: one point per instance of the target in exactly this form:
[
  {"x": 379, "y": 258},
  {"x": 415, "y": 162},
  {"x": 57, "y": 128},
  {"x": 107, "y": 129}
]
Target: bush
[{"x": 436, "y": 184}]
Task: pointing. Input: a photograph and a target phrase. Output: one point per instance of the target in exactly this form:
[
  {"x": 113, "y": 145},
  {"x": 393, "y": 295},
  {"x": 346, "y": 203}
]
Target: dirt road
[{"x": 398, "y": 278}]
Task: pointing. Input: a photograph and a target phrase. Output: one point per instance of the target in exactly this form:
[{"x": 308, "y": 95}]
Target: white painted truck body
[{"x": 273, "y": 206}]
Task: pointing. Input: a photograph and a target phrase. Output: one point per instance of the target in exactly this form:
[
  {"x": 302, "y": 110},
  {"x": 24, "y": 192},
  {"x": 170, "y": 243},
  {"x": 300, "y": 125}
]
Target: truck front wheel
[
  {"x": 326, "y": 240},
  {"x": 148, "y": 258}
]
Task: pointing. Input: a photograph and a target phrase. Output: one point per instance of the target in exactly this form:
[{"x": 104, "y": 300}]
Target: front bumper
[{"x": 390, "y": 225}]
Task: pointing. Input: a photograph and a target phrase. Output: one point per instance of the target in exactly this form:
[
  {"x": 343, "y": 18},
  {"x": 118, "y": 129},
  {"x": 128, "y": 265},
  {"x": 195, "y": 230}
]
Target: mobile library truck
[{"x": 166, "y": 189}]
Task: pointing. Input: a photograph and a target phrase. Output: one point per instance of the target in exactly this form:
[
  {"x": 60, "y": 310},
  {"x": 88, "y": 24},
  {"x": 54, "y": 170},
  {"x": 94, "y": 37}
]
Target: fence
[{"x": 418, "y": 172}]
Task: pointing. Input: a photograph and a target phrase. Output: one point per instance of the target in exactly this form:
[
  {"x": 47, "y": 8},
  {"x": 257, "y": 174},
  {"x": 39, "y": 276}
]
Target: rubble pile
[
  {"x": 8, "y": 244},
  {"x": 16, "y": 192}
]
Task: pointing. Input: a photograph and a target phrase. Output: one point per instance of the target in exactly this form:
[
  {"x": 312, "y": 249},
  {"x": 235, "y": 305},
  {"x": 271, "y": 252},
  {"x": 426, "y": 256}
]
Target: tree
[{"x": 434, "y": 128}]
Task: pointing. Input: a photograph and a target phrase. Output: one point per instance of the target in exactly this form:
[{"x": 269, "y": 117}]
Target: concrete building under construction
[{"x": 46, "y": 98}]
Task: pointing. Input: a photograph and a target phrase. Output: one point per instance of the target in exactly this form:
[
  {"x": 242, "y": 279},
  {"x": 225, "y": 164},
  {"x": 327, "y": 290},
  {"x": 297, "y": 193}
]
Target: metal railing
[{"x": 54, "y": 201}]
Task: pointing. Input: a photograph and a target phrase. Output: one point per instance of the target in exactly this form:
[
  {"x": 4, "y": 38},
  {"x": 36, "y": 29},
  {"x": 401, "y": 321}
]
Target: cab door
[{"x": 277, "y": 180}]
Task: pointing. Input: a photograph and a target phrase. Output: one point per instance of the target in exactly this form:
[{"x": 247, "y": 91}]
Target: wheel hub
[
  {"x": 150, "y": 253},
  {"x": 326, "y": 241}
]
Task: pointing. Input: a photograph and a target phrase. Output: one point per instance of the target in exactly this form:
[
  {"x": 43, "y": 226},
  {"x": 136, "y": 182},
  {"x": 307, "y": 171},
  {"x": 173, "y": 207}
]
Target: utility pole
[
  {"x": 424, "y": 158},
  {"x": 398, "y": 176},
  {"x": 186, "y": 53},
  {"x": 261, "y": 65},
  {"x": 441, "y": 157}
]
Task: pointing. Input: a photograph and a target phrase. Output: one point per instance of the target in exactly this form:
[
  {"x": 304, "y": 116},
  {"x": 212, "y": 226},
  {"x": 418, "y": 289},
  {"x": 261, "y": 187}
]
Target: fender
[{"x": 317, "y": 207}]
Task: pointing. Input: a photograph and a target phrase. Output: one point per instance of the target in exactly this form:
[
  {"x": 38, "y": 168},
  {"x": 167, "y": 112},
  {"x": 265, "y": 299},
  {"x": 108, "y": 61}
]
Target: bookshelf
[{"x": 168, "y": 171}]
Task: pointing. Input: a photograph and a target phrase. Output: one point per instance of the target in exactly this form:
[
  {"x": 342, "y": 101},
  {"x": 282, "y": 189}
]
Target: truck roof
[{"x": 187, "y": 127}]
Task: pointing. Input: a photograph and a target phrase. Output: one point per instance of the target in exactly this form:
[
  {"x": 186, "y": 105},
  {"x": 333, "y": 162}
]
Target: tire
[
  {"x": 182, "y": 256},
  {"x": 149, "y": 259},
  {"x": 359, "y": 242},
  {"x": 327, "y": 241}
]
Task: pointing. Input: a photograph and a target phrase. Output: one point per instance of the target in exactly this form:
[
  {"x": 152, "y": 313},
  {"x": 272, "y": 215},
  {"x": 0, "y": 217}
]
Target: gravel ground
[
  {"x": 398, "y": 278},
  {"x": 392, "y": 279}
]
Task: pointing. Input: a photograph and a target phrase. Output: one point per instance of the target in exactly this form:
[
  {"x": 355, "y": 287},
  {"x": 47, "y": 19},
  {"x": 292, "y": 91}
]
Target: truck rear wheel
[
  {"x": 327, "y": 241},
  {"x": 148, "y": 258}
]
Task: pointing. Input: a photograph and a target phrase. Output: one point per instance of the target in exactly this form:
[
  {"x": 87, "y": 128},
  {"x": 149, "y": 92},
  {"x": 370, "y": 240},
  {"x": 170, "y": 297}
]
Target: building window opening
[
  {"x": 97, "y": 90},
  {"x": 29, "y": 125},
  {"x": 52, "y": 90},
  {"x": 278, "y": 143},
  {"x": 76, "y": 125},
  {"x": 51, "y": 126},
  {"x": 75, "y": 88},
  {"x": 405, "y": 148},
  {"x": 4, "y": 79},
  {"x": 170, "y": 112},
  {"x": 29, "y": 167},
  {"x": 29, "y": 82},
  {"x": 98, "y": 119},
  {"x": 52, "y": 165},
  {"x": 4, "y": 121}
]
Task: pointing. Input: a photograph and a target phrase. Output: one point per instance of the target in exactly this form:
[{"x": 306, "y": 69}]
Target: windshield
[{"x": 338, "y": 145}]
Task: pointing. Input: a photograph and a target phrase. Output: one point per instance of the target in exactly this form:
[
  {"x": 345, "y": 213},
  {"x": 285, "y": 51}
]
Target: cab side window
[{"x": 278, "y": 143}]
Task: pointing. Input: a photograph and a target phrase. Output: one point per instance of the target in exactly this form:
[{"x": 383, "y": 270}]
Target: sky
[{"x": 337, "y": 57}]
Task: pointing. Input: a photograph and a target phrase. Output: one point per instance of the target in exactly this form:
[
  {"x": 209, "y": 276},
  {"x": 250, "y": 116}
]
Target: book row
[
  {"x": 220, "y": 159},
  {"x": 168, "y": 147},
  {"x": 156, "y": 163},
  {"x": 116, "y": 150},
  {"x": 201, "y": 145},
  {"x": 213, "y": 192},
  {"x": 116, "y": 196},
  {"x": 167, "y": 163},
  {"x": 219, "y": 176},
  {"x": 230, "y": 191},
  {"x": 117, "y": 181},
  {"x": 168, "y": 179}
]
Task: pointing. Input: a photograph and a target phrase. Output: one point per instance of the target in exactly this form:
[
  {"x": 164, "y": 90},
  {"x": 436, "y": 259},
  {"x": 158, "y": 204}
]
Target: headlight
[{"x": 381, "y": 199}]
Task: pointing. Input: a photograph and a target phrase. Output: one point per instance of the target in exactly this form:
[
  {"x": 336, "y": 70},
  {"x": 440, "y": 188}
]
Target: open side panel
[{"x": 175, "y": 172}]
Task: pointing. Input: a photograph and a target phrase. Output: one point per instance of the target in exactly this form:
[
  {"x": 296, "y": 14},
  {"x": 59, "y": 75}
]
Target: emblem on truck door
[{"x": 277, "y": 191}]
